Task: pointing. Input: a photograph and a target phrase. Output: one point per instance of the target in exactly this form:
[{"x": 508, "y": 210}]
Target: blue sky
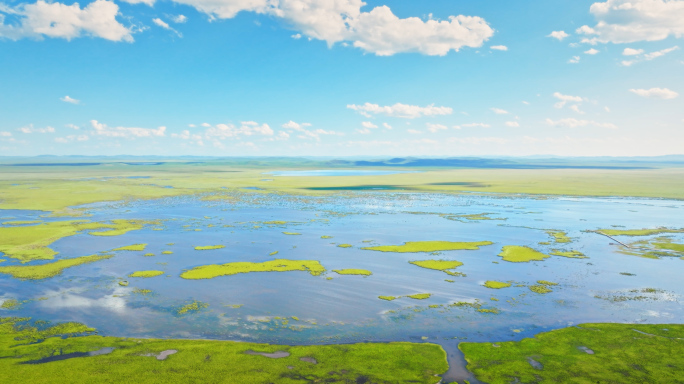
[{"x": 342, "y": 77}]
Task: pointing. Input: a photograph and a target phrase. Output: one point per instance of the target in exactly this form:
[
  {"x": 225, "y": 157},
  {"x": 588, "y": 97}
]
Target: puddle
[
  {"x": 274, "y": 355},
  {"x": 65, "y": 356}
]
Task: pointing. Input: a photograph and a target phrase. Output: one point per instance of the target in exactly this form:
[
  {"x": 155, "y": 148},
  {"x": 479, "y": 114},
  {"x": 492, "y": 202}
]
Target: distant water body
[{"x": 336, "y": 172}]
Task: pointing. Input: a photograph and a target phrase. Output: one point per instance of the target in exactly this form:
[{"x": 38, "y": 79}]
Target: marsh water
[{"x": 299, "y": 308}]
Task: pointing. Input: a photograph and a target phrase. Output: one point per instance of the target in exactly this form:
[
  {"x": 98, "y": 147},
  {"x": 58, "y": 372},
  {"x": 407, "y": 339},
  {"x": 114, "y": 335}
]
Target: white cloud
[
  {"x": 309, "y": 133},
  {"x": 126, "y": 132},
  {"x": 565, "y": 99},
  {"x": 632, "y": 52},
  {"x": 5, "y": 134},
  {"x": 378, "y": 31},
  {"x": 513, "y": 124},
  {"x": 414, "y": 131},
  {"x": 58, "y": 20},
  {"x": 368, "y": 124},
  {"x": 435, "y": 127},
  {"x": 628, "y": 21},
  {"x": 560, "y": 35},
  {"x": 72, "y": 126},
  {"x": 499, "y": 47},
  {"x": 159, "y": 22},
  {"x": 656, "y": 93},
  {"x": 574, "y": 123},
  {"x": 186, "y": 135},
  {"x": 499, "y": 111},
  {"x": 592, "y": 51},
  {"x": 526, "y": 102},
  {"x": 71, "y": 100},
  {"x": 30, "y": 129},
  {"x": 296, "y": 36},
  {"x": 653, "y": 55},
  {"x": 180, "y": 19},
  {"x": 146, "y": 2},
  {"x": 574, "y": 60},
  {"x": 246, "y": 128},
  {"x": 400, "y": 110},
  {"x": 386, "y": 125},
  {"x": 363, "y": 131},
  {"x": 70, "y": 138},
  {"x": 472, "y": 125}
]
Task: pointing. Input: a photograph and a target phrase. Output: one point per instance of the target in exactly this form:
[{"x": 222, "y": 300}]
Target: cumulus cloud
[
  {"x": 186, "y": 135},
  {"x": 499, "y": 111},
  {"x": 400, "y": 110},
  {"x": 414, "y": 131},
  {"x": 656, "y": 93},
  {"x": 31, "y": 129},
  {"x": 513, "y": 124},
  {"x": 473, "y": 125},
  {"x": 368, "y": 124},
  {"x": 435, "y": 127},
  {"x": 565, "y": 99},
  {"x": 378, "y": 31},
  {"x": 246, "y": 128},
  {"x": 574, "y": 123},
  {"x": 574, "y": 60},
  {"x": 72, "y": 126},
  {"x": 628, "y": 21},
  {"x": 70, "y": 138},
  {"x": 57, "y": 20},
  {"x": 592, "y": 51},
  {"x": 126, "y": 132},
  {"x": 363, "y": 131},
  {"x": 308, "y": 133},
  {"x": 559, "y": 35},
  {"x": 68, "y": 99},
  {"x": 5, "y": 134},
  {"x": 499, "y": 48},
  {"x": 632, "y": 52},
  {"x": 296, "y": 36},
  {"x": 387, "y": 126},
  {"x": 179, "y": 19}
]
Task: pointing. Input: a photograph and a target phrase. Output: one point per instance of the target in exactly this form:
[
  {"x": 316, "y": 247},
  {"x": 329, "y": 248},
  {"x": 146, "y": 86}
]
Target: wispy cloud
[
  {"x": 405, "y": 111},
  {"x": 70, "y": 100},
  {"x": 656, "y": 93}
]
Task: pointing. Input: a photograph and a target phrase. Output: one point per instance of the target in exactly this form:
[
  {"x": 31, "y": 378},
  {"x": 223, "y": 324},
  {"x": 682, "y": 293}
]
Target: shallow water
[{"x": 346, "y": 308}]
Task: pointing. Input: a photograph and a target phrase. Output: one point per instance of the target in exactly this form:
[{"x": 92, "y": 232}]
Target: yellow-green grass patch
[
  {"x": 279, "y": 265},
  {"x": 151, "y": 273},
  {"x": 208, "y": 247},
  {"x": 430, "y": 246},
  {"x": 388, "y": 298},
  {"x": 639, "y": 232},
  {"x": 134, "y": 247},
  {"x": 43, "y": 271},
  {"x": 345, "y": 245},
  {"x": 193, "y": 307},
  {"x": 22, "y": 222},
  {"x": 291, "y": 233},
  {"x": 559, "y": 236},
  {"x": 519, "y": 254},
  {"x": 439, "y": 265},
  {"x": 540, "y": 288},
  {"x": 570, "y": 254},
  {"x": 419, "y": 296},
  {"x": 496, "y": 284},
  {"x": 353, "y": 272}
]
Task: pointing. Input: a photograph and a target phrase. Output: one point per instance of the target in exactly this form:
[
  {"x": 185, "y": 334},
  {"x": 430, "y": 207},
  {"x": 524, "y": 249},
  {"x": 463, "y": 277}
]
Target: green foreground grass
[
  {"x": 44, "y": 271},
  {"x": 588, "y": 353},
  {"x": 205, "y": 361}
]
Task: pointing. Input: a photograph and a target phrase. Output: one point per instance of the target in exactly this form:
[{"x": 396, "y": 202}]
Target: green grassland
[
  {"x": 205, "y": 361},
  {"x": 56, "y": 188},
  {"x": 587, "y": 353},
  {"x": 518, "y": 254}
]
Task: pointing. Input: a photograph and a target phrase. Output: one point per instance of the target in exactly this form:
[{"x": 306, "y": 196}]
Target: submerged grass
[
  {"x": 43, "y": 271},
  {"x": 279, "y": 265},
  {"x": 519, "y": 254},
  {"x": 430, "y": 246},
  {"x": 207, "y": 361},
  {"x": 587, "y": 353}
]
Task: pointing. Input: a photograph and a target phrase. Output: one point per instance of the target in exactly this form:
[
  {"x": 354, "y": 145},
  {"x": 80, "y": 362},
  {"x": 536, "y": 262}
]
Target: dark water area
[{"x": 300, "y": 308}]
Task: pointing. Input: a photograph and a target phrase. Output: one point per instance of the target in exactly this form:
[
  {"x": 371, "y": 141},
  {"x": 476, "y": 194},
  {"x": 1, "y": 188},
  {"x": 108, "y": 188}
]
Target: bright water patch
[{"x": 336, "y": 172}]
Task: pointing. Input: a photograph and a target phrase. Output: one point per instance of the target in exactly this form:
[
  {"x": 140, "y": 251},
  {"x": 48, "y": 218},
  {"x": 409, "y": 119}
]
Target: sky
[{"x": 342, "y": 77}]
